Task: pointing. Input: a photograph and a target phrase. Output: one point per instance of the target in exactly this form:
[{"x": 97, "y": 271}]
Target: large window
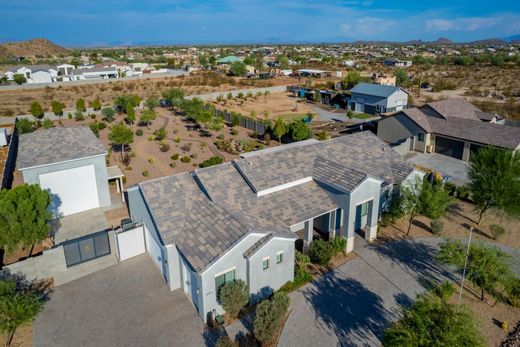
[{"x": 224, "y": 278}]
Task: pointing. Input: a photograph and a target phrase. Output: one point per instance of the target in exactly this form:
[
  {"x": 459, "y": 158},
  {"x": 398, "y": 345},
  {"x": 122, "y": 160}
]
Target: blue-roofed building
[{"x": 376, "y": 98}]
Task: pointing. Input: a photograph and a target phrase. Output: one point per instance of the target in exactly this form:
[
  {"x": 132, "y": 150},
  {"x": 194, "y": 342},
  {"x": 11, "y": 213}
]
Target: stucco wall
[
  {"x": 396, "y": 128},
  {"x": 47, "y": 265},
  {"x": 399, "y": 98},
  {"x": 31, "y": 175}
]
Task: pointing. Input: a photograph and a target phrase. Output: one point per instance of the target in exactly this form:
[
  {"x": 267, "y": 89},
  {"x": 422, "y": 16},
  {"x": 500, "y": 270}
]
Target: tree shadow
[
  {"x": 42, "y": 287},
  {"x": 211, "y": 336},
  {"x": 354, "y": 313}
]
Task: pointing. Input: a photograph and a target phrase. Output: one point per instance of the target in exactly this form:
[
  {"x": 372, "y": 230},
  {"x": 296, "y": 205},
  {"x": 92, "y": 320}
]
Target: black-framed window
[
  {"x": 279, "y": 257},
  {"x": 420, "y": 137},
  {"x": 265, "y": 264}
]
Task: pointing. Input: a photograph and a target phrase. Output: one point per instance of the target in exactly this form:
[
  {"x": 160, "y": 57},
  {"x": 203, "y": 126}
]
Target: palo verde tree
[
  {"x": 19, "y": 304},
  {"x": 238, "y": 68},
  {"x": 121, "y": 136},
  {"x": 151, "y": 103},
  {"x": 279, "y": 129},
  {"x": 122, "y": 101},
  {"x": 494, "y": 181},
  {"x": 37, "y": 110},
  {"x": 24, "y": 217},
  {"x": 147, "y": 116},
  {"x": 487, "y": 267},
  {"x": 174, "y": 96}
]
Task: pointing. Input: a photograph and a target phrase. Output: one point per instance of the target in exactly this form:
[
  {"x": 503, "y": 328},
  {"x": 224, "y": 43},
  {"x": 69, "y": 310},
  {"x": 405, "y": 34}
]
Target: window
[
  {"x": 279, "y": 257},
  {"x": 420, "y": 137},
  {"x": 224, "y": 278},
  {"x": 265, "y": 263},
  {"x": 364, "y": 209}
]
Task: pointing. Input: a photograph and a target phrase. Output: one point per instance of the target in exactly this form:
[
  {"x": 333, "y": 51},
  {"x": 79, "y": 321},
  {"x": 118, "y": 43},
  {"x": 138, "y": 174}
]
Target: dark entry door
[
  {"x": 86, "y": 248},
  {"x": 449, "y": 147}
]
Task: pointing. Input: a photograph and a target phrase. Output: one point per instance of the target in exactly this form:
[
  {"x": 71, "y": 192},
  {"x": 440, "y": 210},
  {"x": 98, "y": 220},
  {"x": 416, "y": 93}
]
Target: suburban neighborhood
[{"x": 225, "y": 188}]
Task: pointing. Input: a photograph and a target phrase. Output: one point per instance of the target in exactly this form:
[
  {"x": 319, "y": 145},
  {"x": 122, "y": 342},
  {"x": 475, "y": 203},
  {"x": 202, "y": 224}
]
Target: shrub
[
  {"x": 234, "y": 131},
  {"x": 47, "y": 123},
  {"x": 164, "y": 147},
  {"x": 220, "y": 136},
  {"x": 78, "y": 116},
  {"x": 338, "y": 244},
  {"x": 186, "y": 147},
  {"x": 451, "y": 188},
  {"x": 186, "y": 159},
  {"x": 69, "y": 115},
  {"x": 225, "y": 341},
  {"x": 267, "y": 139},
  {"x": 437, "y": 226},
  {"x": 146, "y": 173},
  {"x": 24, "y": 126},
  {"x": 301, "y": 277},
  {"x": 320, "y": 252},
  {"x": 463, "y": 192},
  {"x": 173, "y": 165},
  {"x": 139, "y": 132},
  {"x": 108, "y": 114},
  {"x": 160, "y": 134},
  {"x": 150, "y": 138},
  {"x": 497, "y": 231},
  {"x": 322, "y": 135},
  {"x": 177, "y": 139},
  {"x": 301, "y": 259},
  {"x": 151, "y": 160},
  {"x": 101, "y": 125},
  {"x": 233, "y": 296},
  {"x": 269, "y": 314},
  {"x": 254, "y": 134},
  {"x": 212, "y": 161},
  {"x": 194, "y": 156},
  {"x": 94, "y": 128},
  {"x": 175, "y": 156}
]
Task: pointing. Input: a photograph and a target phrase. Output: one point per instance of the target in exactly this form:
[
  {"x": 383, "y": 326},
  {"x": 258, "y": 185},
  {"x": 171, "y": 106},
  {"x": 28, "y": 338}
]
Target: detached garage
[{"x": 70, "y": 164}]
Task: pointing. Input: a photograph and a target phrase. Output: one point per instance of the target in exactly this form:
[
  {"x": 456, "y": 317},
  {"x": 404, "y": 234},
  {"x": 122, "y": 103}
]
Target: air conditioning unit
[{"x": 429, "y": 149}]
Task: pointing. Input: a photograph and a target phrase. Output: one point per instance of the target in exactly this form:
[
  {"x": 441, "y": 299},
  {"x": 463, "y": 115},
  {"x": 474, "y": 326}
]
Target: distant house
[
  {"x": 374, "y": 56},
  {"x": 394, "y": 62},
  {"x": 230, "y": 59},
  {"x": 312, "y": 73},
  {"x": 94, "y": 73},
  {"x": 452, "y": 127},
  {"x": 375, "y": 98},
  {"x": 386, "y": 80},
  {"x": 33, "y": 73}
]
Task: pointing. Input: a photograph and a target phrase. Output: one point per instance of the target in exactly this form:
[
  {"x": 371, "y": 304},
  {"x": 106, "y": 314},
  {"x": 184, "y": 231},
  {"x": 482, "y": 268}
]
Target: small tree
[
  {"x": 24, "y": 216},
  {"x": 108, "y": 114},
  {"x": 269, "y": 315},
  {"x": 320, "y": 252},
  {"x": 434, "y": 200},
  {"x": 37, "y": 110},
  {"x": 151, "y": 103},
  {"x": 121, "y": 136},
  {"x": 494, "y": 181},
  {"x": 411, "y": 204},
  {"x": 299, "y": 131},
  {"x": 238, "y": 68},
  {"x": 17, "y": 306},
  {"x": 147, "y": 116},
  {"x": 19, "y": 79},
  {"x": 174, "y": 96},
  {"x": 233, "y": 296},
  {"x": 96, "y": 104},
  {"x": 401, "y": 78},
  {"x": 57, "y": 107},
  {"x": 279, "y": 129},
  {"x": 130, "y": 113},
  {"x": 487, "y": 267},
  {"x": 80, "y": 105},
  {"x": 24, "y": 126}
]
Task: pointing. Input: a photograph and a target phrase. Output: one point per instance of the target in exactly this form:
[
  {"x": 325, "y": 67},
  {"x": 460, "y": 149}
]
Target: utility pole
[{"x": 465, "y": 265}]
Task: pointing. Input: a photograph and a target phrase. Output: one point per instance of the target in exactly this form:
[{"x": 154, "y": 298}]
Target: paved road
[
  {"x": 352, "y": 305},
  {"x": 125, "y": 305}
]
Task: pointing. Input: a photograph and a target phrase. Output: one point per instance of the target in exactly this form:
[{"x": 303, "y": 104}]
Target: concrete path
[
  {"x": 352, "y": 305},
  {"x": 454, "y": 168},
  {"x": 127, "y": 304}
]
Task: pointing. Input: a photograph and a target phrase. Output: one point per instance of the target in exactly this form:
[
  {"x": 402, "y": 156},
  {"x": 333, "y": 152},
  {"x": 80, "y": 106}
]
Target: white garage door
[
  {"x": 130, "y": 243},
  {"x": 154, "y": 249},
  {"x": 73, "y": 190}
]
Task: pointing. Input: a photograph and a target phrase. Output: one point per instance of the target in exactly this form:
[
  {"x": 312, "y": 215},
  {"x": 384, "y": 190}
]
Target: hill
[{"x": 31, "y": 48}]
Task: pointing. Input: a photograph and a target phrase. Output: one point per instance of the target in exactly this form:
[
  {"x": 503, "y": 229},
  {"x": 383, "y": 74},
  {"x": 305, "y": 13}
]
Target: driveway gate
[{"x": 86, "y": 248}]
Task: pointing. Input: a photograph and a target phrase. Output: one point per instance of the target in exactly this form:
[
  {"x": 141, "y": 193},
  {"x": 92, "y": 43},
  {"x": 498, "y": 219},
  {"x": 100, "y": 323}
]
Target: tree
[
  {"x": 351, "y": 79},
  {"x": 174, "y": 96},
  {"x": 80, "y": 105},
  {"x": 37, "y": 110},
  {"x": 411, "y": 204},
  {"x": 432, "y": 321},
  {"x": 299, "y": 131},
  {"x": 283, "y": 62},
  {"x": 122, "y": 101},
  {"x": 19, "y": 79},
  {"x": 401, "y": 78},
  {"x": 233, "y": 296},
  {"x": 494, "y": 181},
  {"x": 24, "y": 216},
  {"x": 487, "y": 267},
  {"x": 151, "y": 103},
  {"x": 96, "y": 104},
  {"x": 434, "y": 200},
  {"x": 279, "y": 129},
  {"x": 108, "y": 114},
  {"x": 203, "y": 61},
  {"x": 18, "y": 305},
  {"x": 57, "y": 107},
  {"x": 269, "y": 315},
  {"x": 147, "y": 116},
  {"x": 24, "y": 126},
  {"x": 121, "y": 136},
  {"x": 130, "y": 113},
  {"x": 238, "y": 68}
]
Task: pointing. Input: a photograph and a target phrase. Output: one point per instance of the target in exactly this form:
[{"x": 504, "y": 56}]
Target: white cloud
[
  {"x": 366, "y": 27},
  {"x": 461, "y": 24}
]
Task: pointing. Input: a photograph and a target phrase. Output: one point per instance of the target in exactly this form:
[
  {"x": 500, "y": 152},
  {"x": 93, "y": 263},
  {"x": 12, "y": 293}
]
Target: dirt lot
[
  {"x": 269, "y": 106},
  {"x": 22, "y": 337},
  {"x": 145, "y": 150},
  {"x": 19, "y": 101}
]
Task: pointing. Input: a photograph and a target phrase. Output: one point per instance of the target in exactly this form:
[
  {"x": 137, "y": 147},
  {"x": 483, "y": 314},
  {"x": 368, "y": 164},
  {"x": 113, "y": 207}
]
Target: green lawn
[
  {"x": 291, "y": 117},
  {"x": 362, "y": 115}
]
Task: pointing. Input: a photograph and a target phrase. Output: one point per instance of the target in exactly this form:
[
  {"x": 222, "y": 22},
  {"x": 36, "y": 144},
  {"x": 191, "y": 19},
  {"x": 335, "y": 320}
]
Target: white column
[
  {"x": 122, "y": 189},
  {"x": 349, "y": 217},
  {"x": 332, "y": 225},
  {"x": 371, "y": 228},
  {"x": 308, "y": 232},
  {"x": 117, "y": 185}
]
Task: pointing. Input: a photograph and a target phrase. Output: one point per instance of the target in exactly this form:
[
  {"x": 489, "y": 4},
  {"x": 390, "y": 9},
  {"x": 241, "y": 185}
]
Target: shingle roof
[
  {"x": 344, "y": 177},
  {"x": 455, "y": 108},
  {"x": 54, "y": 145},
  {"x": 374, "y": 89}
]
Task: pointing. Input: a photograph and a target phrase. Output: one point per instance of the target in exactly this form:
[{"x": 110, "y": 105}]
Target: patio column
[
  {"x": 308, "y": 231},
  {"x": 117, "y": 185},
  {"x": 332, "y": 225},
  {"x": 371, "y": 227},
  {"x": 347, "y": 230},
  {"x": 122, "y": 189}
]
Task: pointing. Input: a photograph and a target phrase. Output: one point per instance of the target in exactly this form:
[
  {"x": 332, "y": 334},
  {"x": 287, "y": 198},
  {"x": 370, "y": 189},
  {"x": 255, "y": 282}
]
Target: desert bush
[
  {"x": 139, "y": 132},
  {"x": 173, "y": 165},
  {"x": 320, "y": 252},
  {"x": 225, "y": 341},
  {"x": 212, "y": 161},
  {"x": 338, "y": 244},
  {"x": 164, "y": 147},
  {"x": 463, "y": 192},
  {"x": 186, "y": 147},
  {"x": 177, "y": 139},
  {"x": 24, "y": 126},
  {"x": 437, "y": 226},
  {"x": 175, "y": 156},
  {"x": 186, "y": 159},
  {"x": 194, "y": 156},
  {"x": 234, "y": 131},
  {"x": 450, "y": 187},
  {"x": 497, "y": 231},
  {"x": 47, "y": 123},
  {"x": 78, "y": 116},
  {"x": 160, "y": 134},
  {"x": 146, "y": 173},
  {"x": 220, "y": 136}
]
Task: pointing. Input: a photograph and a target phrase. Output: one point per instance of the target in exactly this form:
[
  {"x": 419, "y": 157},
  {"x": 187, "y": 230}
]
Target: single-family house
[
  {"x": 453, "y": 127},
  {"x": 376, "y": 98},
  {"x": 384, "y": 79},
  {"x": 70, "y": 164},
  {"x": 94, "y": 73},
  {"x": 240, "y": 219},
  {"x": 313, "y": 73},
  {"x": 394, "y": 62}
]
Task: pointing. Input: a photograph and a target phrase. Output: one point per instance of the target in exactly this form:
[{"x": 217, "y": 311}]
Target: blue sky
[{"x": 95, "y": 22}]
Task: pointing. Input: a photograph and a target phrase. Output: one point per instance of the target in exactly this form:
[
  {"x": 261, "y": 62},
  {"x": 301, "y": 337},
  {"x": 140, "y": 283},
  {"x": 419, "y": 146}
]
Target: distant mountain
[
  {"x": 31, "y": 48},
  {"x": 443, "y": 41},
  {"x": 512, "y": 39},
  {"x": 488, "y": 42}
]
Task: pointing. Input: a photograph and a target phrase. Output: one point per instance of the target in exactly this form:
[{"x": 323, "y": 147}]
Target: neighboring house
[
  {"x": 394, "y": 62},
  {"x": 70, "y": 163},
  {"x": 94, "y": 73},
  {"x": 452, "y": 127},
  {"x": 312, "y": 73},
  {"x": 34, "y": 73},
  {"x": 386, "y": 80},
  {"x": 375, "y": 98},
  {"x": 65, "y": 69},
  {"x": 239, "y": 220},
  {"x": 41, "y": 76}
]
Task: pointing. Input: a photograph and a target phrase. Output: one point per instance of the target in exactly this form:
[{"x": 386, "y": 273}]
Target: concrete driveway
[
  {"x": 456, "y": 169},
  {"x": 125, "y": 305},
  {"x": 352, "y": 305}
]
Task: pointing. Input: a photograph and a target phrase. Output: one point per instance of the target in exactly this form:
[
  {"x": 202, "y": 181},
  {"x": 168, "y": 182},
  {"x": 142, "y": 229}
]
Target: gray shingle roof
[
  {"x": 54, "y": 145},
  {"x": 344, "y": 177},
  {"x": 374, "y": 89}
]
